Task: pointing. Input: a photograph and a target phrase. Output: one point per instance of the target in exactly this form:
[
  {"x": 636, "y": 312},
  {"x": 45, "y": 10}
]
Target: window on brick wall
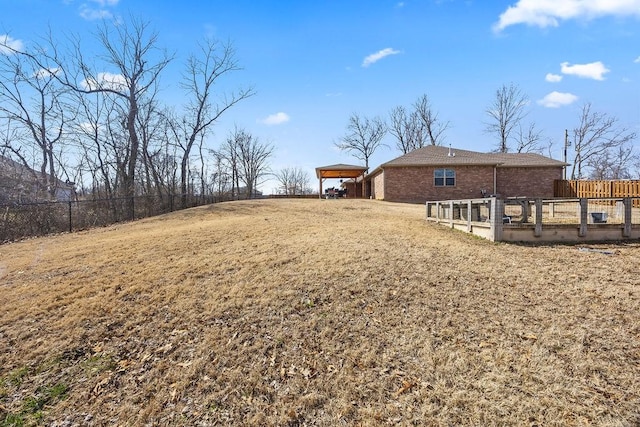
[{"x": 444, "y": 177}]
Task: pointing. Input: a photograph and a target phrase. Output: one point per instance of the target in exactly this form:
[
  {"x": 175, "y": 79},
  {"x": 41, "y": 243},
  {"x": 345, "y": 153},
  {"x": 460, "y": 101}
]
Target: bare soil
[{"x": 319, "y": 313}]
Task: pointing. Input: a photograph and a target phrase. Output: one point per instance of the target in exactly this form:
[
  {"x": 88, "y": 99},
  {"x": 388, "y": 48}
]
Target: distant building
[{"x": 19, "y": 183}]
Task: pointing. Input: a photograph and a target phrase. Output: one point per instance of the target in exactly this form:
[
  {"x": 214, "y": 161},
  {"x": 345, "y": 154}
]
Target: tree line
[
  {"x": 602, "y": 148},
  {"x": 109, "y": 133}
]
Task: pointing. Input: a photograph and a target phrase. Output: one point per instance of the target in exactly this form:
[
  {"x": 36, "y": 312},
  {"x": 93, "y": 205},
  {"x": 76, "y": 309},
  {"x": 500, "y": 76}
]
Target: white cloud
[
  {"x": 553, "y": 78},
  {"x": 557, "y": 99},
  {"x": 100, "y": 11},
  {"x": 549, "y": 13},
  {"x": 8, "y": 44},
  {"x": 275, "y": 119},
  {"x": 104, "y": 3},
  {"x": 375, "y": 57},
  {"x": 593, "y": 70},
  {"x": 90, "y": 128},
  {"x": 115, "y": 82},
  {"x": 91, "y": 14},
  {"x": 637, "y": 60}
]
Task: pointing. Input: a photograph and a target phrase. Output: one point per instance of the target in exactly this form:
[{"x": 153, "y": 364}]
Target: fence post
[
  {"x": 628, "y": 204},
  {"x": 584, "y": 206},
  {"x": 538, "y": 230},
  {"x": 70, "y": 221},
  {"x": 451, "y": 214},
  {"x": 496, "y": 213}
]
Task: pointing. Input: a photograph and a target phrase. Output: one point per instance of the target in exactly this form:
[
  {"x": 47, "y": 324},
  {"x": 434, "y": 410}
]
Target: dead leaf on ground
[{"x": 406, "y": 386}]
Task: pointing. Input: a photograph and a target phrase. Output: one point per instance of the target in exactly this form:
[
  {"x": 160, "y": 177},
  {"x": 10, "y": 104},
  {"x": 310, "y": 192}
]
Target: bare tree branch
[
  {"x": 363, "y": 138},
  {"x": 596, "y": 134},
  {"x": 529, "y": 140},
  {"x": 506, "y": 112},
  {"x": 407, "y": 128},
  {"x": 433, "y": 126},
  {"x": 202, "y": 73},
  {"x": 292, "y": 181}
]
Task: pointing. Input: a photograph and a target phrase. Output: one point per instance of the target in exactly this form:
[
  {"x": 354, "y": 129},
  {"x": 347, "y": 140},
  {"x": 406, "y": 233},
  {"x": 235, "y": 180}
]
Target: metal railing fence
[{"x": 22, "y": 220}]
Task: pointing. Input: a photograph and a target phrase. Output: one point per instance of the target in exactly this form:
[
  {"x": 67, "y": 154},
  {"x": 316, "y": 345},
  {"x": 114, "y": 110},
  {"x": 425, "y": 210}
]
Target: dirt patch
[{"x": 315, "y": 312}]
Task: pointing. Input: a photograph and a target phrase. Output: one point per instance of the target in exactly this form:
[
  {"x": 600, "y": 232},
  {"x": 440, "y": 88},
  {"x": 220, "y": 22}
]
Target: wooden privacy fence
[{"x": 598, "y": 188}]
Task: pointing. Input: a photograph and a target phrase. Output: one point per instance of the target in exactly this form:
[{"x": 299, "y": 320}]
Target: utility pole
[{"x": 566, "y": 144}]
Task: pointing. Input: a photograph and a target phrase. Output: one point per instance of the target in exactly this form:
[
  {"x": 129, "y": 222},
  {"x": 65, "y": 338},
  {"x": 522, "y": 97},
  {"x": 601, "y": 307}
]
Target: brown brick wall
[
  {"x": 416, "y": 184},
  {"x": 377, "y": 189},
  {"x": 529, "y": 182}
]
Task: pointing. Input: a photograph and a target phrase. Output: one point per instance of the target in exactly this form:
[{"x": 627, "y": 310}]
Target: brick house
[{"x": 442, "y": 173}]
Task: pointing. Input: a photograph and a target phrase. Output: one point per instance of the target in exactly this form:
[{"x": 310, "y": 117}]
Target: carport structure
[{"x": 340, "y": 171}]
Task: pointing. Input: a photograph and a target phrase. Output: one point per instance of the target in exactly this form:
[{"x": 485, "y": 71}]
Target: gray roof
[{"x": 433, "y": 155}]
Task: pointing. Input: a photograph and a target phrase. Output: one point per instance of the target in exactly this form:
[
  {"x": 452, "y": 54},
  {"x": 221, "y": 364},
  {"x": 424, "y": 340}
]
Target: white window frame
[{"x": 446, "y": 176}]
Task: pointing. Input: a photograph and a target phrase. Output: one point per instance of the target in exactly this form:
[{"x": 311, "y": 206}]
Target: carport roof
[{"x": 340, "y": 171}]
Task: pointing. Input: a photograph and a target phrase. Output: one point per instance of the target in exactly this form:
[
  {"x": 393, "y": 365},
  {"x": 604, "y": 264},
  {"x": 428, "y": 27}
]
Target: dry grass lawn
[{"x": 310, "y": 312}]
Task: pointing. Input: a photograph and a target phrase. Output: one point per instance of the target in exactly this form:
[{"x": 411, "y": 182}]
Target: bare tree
[
  {"x": 131, "y": 49},
  {"x": 418, "y": 127},
  {"x": 530, "y": 140},
  {"x": 202, "y": 73},
  {"x": 253, "y": 156},
  {"x": 615, "y": 163},
  {"x": 90, "y": 132},
  {"x": 506, "y": 112},
  {"x": 153, "y": 130},
  {"x": 229, "y": 154},
  {"x": 292, "y": 181},
  {"x": 597, "y": 134},
  {"x": 31, "y": 98},
  {"x": 407, "y": 128},
  {"x": 433, "y": 127},
  {"x": 220, "y": 178},
  {"x": 363, "y": 137}
]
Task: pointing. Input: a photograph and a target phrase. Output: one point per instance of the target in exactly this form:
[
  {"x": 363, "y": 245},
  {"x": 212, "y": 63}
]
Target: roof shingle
[{"x": 434, "y": 155}]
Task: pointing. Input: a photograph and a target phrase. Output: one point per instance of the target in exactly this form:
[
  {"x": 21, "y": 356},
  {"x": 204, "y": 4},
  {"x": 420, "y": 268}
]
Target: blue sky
[{"x": 313, "y": 64}]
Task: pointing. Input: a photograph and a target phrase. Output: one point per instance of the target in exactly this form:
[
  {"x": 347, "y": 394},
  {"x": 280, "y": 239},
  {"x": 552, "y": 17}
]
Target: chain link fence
[{"x": 21, "y": 220}]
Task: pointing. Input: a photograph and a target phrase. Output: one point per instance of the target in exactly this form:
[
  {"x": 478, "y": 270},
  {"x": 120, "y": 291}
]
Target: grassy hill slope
[{"x": 310, "y": 312}]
